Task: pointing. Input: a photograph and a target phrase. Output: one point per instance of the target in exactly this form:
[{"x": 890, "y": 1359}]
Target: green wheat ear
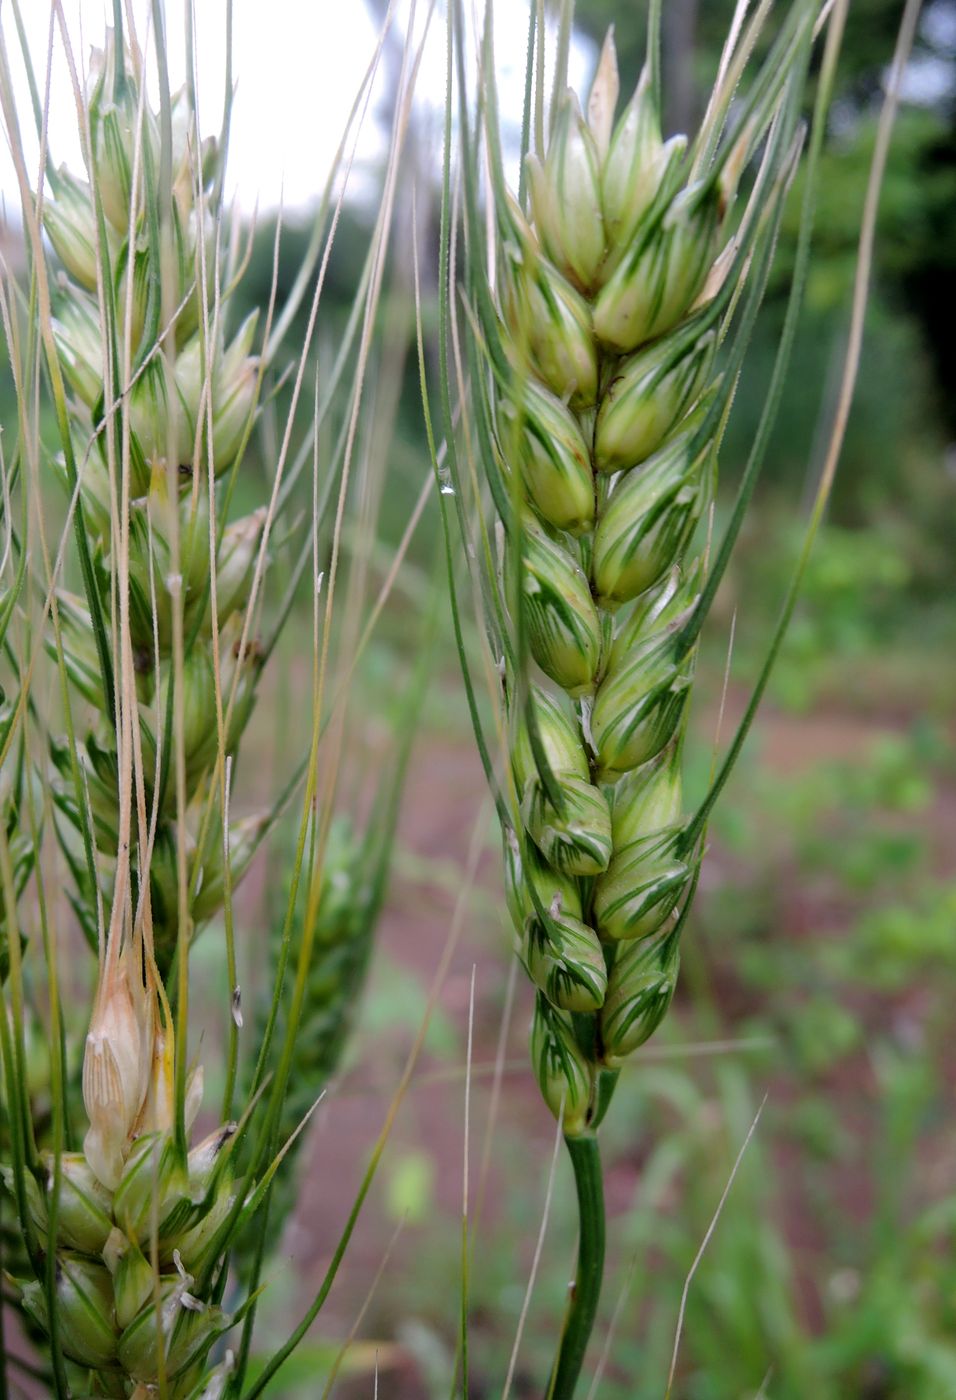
[
  {"x": 120, "y": 1241},
  {"x": 158, "y": 641},
  {"x": 135, "y": 1216},
  {"x": 611, "y": 301},
  {"x": 606, "y": 347}
]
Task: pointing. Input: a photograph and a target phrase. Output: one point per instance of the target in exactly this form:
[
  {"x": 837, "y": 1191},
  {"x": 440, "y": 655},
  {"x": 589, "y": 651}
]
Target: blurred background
[{"x": 819, "y": 971}]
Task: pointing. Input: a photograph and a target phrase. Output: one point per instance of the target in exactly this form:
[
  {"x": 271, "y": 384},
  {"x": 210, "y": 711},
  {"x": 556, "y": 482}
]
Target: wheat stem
[{"x": 585, "y": 1160}]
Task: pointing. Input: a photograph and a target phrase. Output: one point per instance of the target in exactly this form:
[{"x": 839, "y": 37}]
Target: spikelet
[{"x": 118, "y": 1057}]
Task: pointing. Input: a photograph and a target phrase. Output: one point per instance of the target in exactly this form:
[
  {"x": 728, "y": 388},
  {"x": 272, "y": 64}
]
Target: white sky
[{"x": 297, "y": 65}]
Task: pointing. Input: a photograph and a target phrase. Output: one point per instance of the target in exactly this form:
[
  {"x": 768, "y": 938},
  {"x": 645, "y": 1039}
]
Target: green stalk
[
  {"x": 586, "y": 1290},
  {"x": 3, "y": 1340}
]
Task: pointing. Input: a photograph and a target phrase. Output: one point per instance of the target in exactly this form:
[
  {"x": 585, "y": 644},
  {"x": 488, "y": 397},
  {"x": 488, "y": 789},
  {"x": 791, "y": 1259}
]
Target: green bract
[
  {"x": 564, "y": 630},
  {"x": 640, "y": 887},
  {"x": 553, "y": 457},
  {"x": 566, "y": 961},
  {"x": 566, "y": 197},
  {"x": 84, "y": 1304},
  {"x": 639, "y": 706},
  {"x": 648, "y": 520},
  {"x": 633, "y": 171},
  {"x": 648, "y": 395},
  {"x": 652, "y": 288},
  {"x": 563, "y": 1073},
  {"x": 646, "y": 799},
  {"x": 70, "y": 223},
  {"x": 576, "y": 840},
  {"x": 558, "y": 737},
  {"x": 532, "y": 884},
  {"x": 83, "y": 1214},
  {"x": 640, "y": 990},
  {"x": 550, "y": 322}
]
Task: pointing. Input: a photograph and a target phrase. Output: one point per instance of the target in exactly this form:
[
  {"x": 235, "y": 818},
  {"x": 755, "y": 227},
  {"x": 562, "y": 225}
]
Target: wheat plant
[
  {"x": 139, "y": 612},
  {"x": 591, "y": 350}
]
